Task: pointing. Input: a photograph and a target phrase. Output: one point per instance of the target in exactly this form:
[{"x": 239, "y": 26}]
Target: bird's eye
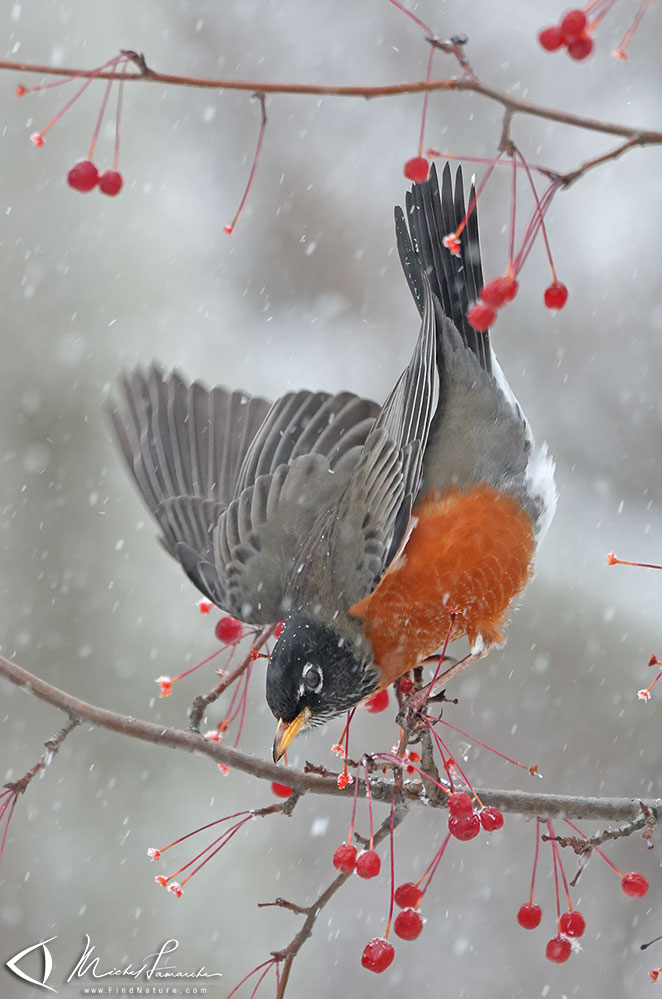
[{"x": 312, "y": 679}]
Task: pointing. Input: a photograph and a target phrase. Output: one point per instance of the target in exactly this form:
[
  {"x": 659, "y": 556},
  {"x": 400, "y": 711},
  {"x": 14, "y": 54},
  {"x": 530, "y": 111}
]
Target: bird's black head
[{"x": 315, "y": 674}]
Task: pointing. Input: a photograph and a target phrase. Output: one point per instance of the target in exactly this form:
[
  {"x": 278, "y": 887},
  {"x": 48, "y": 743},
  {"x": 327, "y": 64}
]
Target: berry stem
[
  {"x": 368, "y": 794},
  {"x": 621, "y": 51},
  {"x": 102, "y": 111},
  {"x": 474, "y": 200},
  {"x": 426, "y": 99},
  {"x": 350, "y": 835},
  {"x": 263, "y": 124},
  {"x": 391, "y": 840},
  {"x": 81, "y": 90},
  {"x": 535, "y": 862},
  {"x": 466, "y": 780},
  {"x": 200, "y": 829},
  {"x": 565, "y": 883},
  {"x": 412, "y": 17},
  {"x": 556, "y": 873},
  {"x": 250, "y": 975},
  {"x": 611, "y": 558},
  {"x": 434, "y": 720},
  {"x": 540, "y": 212},
  {"x": 432, "y": 868},
  {"x": 513, "y": 211},
  {"x": 542, "y": 204},
  {"x": 14, "y": 799},
  {"x": 118, "y": 116}
]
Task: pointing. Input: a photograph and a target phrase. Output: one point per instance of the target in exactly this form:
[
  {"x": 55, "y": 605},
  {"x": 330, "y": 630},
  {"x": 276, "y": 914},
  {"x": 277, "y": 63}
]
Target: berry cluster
[
  {"x": 572, "y": 33},
  {"x": 347, "y": 859},
  {"x": 84, "y": 176},
  {"x": 570, "y": 925},
  {"x": 464, "y": 823},
  {"x": 575, "y": 28}
]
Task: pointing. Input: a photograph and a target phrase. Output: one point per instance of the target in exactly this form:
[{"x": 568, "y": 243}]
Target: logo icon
[{"x": 12, "y": 964}]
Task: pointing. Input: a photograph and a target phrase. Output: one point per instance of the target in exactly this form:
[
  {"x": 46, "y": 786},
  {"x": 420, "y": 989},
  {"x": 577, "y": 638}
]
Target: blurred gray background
[{"x": 308, "y": 293}]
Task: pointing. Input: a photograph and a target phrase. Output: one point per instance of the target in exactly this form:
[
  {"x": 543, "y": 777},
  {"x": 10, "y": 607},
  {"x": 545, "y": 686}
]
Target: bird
[{"x": 375, "y": 534}]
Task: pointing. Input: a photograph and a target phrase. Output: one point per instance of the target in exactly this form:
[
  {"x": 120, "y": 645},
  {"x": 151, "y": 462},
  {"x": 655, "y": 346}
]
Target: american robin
[{"x": 373, "y": 532}]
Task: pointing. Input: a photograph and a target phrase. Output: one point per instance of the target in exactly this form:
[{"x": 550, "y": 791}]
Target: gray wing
[
  {"x": 319, "y": 532},
  {"x": 193, "y": 453},
  {"x": 183, "y": 446}
]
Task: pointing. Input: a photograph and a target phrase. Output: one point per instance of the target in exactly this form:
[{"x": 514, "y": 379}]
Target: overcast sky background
[{"x": 308, "y": 293}]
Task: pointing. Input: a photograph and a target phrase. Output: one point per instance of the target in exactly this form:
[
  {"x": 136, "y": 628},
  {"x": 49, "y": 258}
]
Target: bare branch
[
  {"x": 517, "y": 802},
  {"x": 52, "y": 745},
  {"x": 468, "y": 83}
]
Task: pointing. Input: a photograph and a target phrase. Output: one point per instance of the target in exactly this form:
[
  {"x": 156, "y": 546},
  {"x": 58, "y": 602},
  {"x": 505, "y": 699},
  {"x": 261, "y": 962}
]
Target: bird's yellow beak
[{"x": 286, "y": 731}]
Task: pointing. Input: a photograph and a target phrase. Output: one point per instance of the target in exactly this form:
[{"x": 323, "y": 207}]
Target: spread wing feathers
[
  {"x": 308, "y": 423},
  {"x": 456, "y": 281},
  {"x": 183, "y": 445},
  {"x": 183, "y": 440}
]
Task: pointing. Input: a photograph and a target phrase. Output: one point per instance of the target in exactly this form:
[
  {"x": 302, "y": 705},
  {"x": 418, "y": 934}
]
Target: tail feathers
[{"x": 456, "y": 281}]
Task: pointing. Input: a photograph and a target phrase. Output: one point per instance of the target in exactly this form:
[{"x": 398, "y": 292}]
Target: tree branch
[
  {"x": 517, "y": 802},
  {"x": 471, "y": 84}
]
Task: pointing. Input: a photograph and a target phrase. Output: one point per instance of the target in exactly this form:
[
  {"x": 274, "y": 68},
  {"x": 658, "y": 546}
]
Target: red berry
[
  {"x": 572, "y": 25},
  {"x": 83, "y": 176},
  {"x": 111, "y": 182},
  {"x": 405, "y": 685},
  {"x": 376, "y": 702},
  {"x": 558, "y": 950},
  {"x": 417, "y": 169},
  {"x": 491, "y": 818},
  {"x": 572, "y": 924},
  {"x": 408, "y": 924},
  {"x": 551, "y": 39},
  {"x": 408, "y": 895},
  {"x": 580, "y": 48},
  {"x": 278, "y": 629},
  {"x": 464, "y": 827},
  {"x": 556, "y": 295},
  {"x": 460, "y": 803},
  {"x": 368, "y": 864},
  {"x": 529, "y": 915},
  {"x": 228, "y": 630},
  {"x": 481, "y": 316},
  {"x": 499, "y": 291},
  {"x": 377, "y": 955},
  {"x": 280, "y": 790},
  {"x": 634, "y": 885},
  {"x": 344, "y": 859}
]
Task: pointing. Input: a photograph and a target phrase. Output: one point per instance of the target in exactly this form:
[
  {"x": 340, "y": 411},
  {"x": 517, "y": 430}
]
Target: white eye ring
[{"x": 313, "y": 678}]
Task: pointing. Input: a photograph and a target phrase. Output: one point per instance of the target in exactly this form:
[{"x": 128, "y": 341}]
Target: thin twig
[
  {"x": 52, "y": 745},
  {"x": 515, "y": 105}
]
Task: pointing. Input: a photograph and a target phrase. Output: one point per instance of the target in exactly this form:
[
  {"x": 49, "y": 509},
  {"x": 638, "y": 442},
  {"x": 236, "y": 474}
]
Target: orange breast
[{"x": 470, "y": 552}]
